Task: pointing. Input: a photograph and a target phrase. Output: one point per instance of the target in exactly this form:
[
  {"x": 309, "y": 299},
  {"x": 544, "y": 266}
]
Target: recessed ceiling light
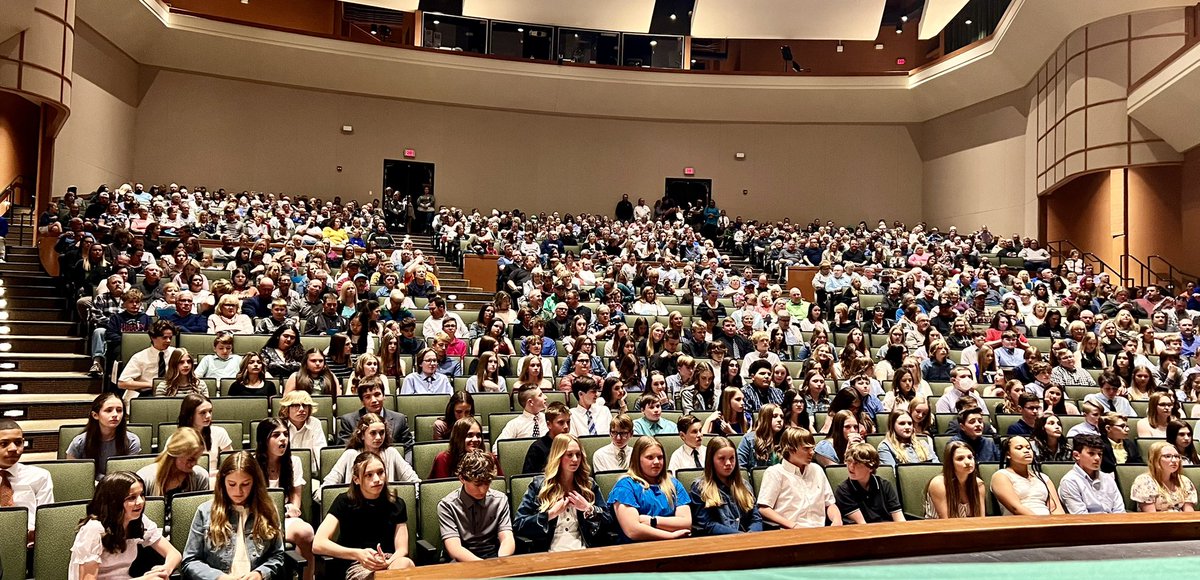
[
  {"x": 520, "y": 30},
  {"x": 653, "y": 43},
  {"x": 673, "y": 17},
  {"x": 904, "y": 18},
  {"x": 969, "y": 22},
  {"x": 436, "y": 22}
]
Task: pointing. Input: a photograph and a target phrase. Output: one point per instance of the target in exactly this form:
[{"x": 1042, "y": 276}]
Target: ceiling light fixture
[
  {"x": 673, "y": 17},
  {"x": 653, "y": 43},
  {"x": 968, "y": 22},
  {"x": 374, "y": 30},
  {"x": 900, "y": 28},
  {"x": 840, "y": 48},
  {"x": 904, "y": 18}
]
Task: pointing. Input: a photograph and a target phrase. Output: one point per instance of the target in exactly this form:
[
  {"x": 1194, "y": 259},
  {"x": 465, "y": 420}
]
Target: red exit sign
[
  {"x": 689, "y": 170},
  {"x": 410, "y": 153}
]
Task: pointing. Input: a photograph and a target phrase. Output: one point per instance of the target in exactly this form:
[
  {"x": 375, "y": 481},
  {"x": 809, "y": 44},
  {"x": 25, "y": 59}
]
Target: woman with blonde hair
[
  {"x": 367, "y": 366},
  {"x": 1164, "y": 488},
  {"x": 721, "y": 500},
  {"x": 649, "y": 490},
  {"x": 228, "y": 316},
  {"x": 181, "y": 377},
  {"x": 176, "y": 470},
  {"x": 563, "y": 509},
  {"x": 903, "y": 444},
  {"x": 238, "y": 532}
]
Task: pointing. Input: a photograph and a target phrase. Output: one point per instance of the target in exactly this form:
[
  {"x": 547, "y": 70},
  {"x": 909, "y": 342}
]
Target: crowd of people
[{"x": 646, "y": 324}]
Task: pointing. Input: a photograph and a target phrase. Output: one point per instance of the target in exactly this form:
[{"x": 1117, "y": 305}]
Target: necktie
[
  {"x": 537, "y": 431},
  {"x": 162, "y": 364},
  {"x": 621, "y": 457},
  {"x": 6, "y": 489},
  {"x": 696, "y": 458},
  {"x": 591, "y": 423},
  {"x": 1112, "y": 405}
]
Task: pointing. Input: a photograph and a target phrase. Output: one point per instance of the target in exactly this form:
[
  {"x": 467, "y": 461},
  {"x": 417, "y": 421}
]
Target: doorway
[
  {"x": 687, "y": 192},
  {"x": 408, "y": 177}
]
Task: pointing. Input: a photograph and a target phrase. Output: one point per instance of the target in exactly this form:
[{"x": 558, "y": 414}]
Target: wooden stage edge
[{"x": 832, "y": 545}]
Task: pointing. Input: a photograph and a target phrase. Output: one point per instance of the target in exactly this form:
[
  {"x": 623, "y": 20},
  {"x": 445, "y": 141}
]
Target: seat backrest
[
  {"x": 913, "y": 480},
  {"x": 423, "y": 427},
  {"x": 512, "y": 455},
  {"x": 166, "y": 430},
  {"x": 241, "y": 409},
  {"x": 496, "y": 423},
  {"x": 155, "y": 410},
  {"x": 487, "y": 404},
  {"x": 687, "y": 476},
  {"x": 129, "y": 463},
  {"x": 413, "y": 405},
  {"x": 74, "y": 479},
  {"x": 1057, "y": 470},
  {"x": 591, "y": 443},
  {"x": 607, "y": 479},
  {"x": 328, "y": 457},
  {"x": 1126, "y": 474},
  {"x": 13, "y": 555},
  {"x": 423, "y": 455},
  {"x": 65, "y": 434},
  {"x": 133, "y": 343},
  {"x": 986, "y": 471},
  {"x": 52, "y": 551},
  {"x": 183, "y": 511},
  {"x": 244, "y": 343},
  {"x": 518, "y": 486}
]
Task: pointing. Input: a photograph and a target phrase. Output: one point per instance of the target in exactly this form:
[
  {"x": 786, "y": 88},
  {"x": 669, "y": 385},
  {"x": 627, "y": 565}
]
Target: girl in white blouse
[
  {"x": 372, "y": 435},
  {"x": 108, "y": 538},
  {"x": 1020, "y": 487}
]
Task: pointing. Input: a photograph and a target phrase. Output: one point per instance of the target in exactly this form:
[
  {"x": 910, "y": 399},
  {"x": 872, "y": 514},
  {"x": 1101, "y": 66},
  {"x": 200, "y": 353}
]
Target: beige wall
[
  {"x": 96, "y": 144},
  {"x": 240, "y": 135},
  {"x": 973, "y": 164}
]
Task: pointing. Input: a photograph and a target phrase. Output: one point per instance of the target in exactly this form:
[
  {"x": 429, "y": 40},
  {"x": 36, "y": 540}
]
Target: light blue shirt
[
  {"x": 1083, "y": 495},
  {"x": 643, "y": 426},
  {"x": 419, "y": 384}
]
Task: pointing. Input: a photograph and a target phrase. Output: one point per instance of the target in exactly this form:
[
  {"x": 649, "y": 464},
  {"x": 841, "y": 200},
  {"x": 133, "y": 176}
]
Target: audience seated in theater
[
  {"x": 796, "y": 493},
  {"x": 371, "y": 434}
]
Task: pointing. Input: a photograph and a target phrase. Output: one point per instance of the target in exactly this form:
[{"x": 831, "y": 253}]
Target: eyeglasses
[{"x": 621, "y": 433}]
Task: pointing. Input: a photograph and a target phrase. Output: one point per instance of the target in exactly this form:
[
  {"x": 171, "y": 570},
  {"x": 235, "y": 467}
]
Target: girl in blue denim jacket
[{"x": 237, "y": 533}]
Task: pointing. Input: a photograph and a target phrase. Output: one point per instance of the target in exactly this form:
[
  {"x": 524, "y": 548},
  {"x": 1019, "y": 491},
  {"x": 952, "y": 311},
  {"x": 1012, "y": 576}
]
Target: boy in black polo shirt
[{"x": 866, "y": 498}]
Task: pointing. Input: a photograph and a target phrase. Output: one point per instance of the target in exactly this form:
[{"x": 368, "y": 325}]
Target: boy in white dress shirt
[
  {"x": 691, "y": 454},
  {"x": 30, "y": 486},
  {"x": 615, "y": 455},
  {"x": 589, "y": 417},
  {"x": 532, "y": 422}
]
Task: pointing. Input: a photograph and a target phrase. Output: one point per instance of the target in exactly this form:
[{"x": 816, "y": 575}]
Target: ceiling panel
[
  {"x": 791, "y": 19},
  {"x": 937, "y": 14},
  {"x": 619, "y": 15},
  {"x": 401, "y": 5}
]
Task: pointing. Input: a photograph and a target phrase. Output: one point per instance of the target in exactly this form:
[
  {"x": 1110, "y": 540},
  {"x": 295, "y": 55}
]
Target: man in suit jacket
[{"x": 370, "y": 392}]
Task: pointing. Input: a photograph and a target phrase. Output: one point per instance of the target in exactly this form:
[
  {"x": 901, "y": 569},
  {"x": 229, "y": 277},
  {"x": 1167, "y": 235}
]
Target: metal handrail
[
  {"x": 1098, "y": 264},
  {"x": 1175, "y": 277}
]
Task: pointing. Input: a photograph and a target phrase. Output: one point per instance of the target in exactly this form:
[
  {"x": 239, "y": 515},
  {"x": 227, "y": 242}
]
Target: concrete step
[
  {"x": 25, "y": 278},
  {"x": 49, "y": 344},
  {"x": 22, "y": 251},
  {"x": 18, "y": 303},
  {"x": 28, "y": 290},
  {"x": 51, "y": 382},
  {"x": 46, "y": 407},
  {"x": 44, "y": 362},
  {"x": 32, "y": 314},
  {"x": 38, "y": 327},
  {"x": 21, "y": 268}
]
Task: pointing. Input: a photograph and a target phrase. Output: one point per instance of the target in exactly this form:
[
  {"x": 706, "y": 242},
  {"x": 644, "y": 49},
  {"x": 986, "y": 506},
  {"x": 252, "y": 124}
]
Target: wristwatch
[{"x": 654, "y": 522}]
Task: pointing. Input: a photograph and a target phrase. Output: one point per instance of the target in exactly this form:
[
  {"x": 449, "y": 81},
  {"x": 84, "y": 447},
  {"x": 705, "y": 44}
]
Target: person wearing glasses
[
  {"x": 1164, "y": 488},
  {"x": 615, "y": 455},
  {"x": 426, "y": 380},
  {"x": 581, "y": 368},
  {"x": 1119, "y": 449}
]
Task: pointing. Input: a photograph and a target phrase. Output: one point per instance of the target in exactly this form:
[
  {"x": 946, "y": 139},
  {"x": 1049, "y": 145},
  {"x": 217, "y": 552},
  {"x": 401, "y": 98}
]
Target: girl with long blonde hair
[
  {"x": 238, "y": 532},
  {"x": 724, "y": 502},
  {"x": 563, "y": 509},
  {"x": 175, "y": 470},
  {"x": 649, "y": 490}
]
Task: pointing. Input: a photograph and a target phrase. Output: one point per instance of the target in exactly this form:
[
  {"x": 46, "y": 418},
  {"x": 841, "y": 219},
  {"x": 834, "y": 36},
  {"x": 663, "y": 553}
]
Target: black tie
[
  {"x": 162, "y": 364},
  {"x": 696, "y": 458}
]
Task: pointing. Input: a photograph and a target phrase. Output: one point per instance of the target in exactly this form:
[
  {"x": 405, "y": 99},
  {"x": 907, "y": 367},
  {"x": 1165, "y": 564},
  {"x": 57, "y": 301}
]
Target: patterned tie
[
  {"x": 621, "y": 457},
  {"x": 6, "y": 489},
  {"x": 162, "y": 364},
  {"x": 696, "y": 458},
  {"x": 537, "y": 428},
  {"x": 591, "y": 423}
]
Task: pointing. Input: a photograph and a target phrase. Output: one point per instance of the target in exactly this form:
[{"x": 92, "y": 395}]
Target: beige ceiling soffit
[
  {"x": 16, "y": 16},
  {"x": 936, "y": 15},
  {"x": 618, "y": 15},
  {"x": 800, "y": 19},
  {"x": 401, "y": 5},
  {"x": 1165, "y": 99}
]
